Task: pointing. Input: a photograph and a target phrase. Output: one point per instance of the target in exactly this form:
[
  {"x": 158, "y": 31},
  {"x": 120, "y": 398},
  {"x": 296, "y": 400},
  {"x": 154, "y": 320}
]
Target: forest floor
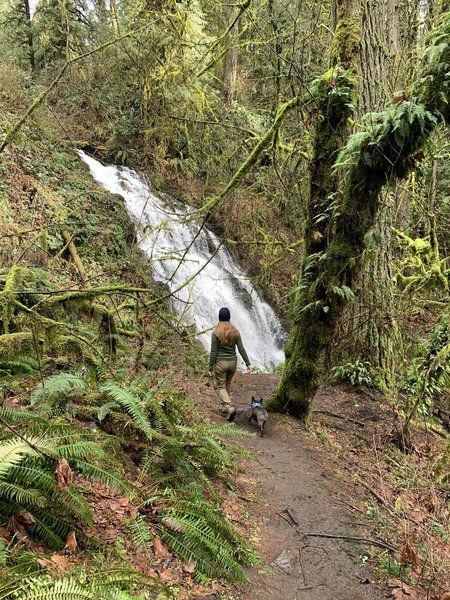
[{"x": 299, "y": 485}]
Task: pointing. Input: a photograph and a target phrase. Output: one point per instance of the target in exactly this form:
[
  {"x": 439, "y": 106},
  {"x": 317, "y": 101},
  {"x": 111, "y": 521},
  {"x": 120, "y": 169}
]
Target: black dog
[{"x": 258, "y": 414}]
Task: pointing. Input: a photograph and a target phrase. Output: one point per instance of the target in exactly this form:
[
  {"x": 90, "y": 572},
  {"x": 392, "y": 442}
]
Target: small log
[{"x": 75, "y": 256}]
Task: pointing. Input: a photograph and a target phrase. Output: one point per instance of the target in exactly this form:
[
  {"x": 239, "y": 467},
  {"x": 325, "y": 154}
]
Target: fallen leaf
[
  {"x": 403, "y": 591},
  {"x": 445, "y": 596},
  {"x": 408, "y": 553},
  {"x": 430, "y": 500},
  {"x": 18, "y": 524},
  {"x": 170, "y": 576},
  {"x": 62, "y": 563},
  {"x": 71, "y": 546},
  {"x": 189, "y": 567},
  {"x": 44, "y": 562},
  {"x": 160, "y": 550},
  {"x": 63, "y": 475}
]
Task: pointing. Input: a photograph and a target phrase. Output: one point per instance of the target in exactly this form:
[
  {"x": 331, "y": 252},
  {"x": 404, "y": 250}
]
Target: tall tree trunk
[
  {"x": 367, "y": 329},
  {"x": 277, "y": 50},
  {"x": 383, "y": 151},
  {"x": 26, "y": 7},
  {"x": 334, "y": 104},
  {"x": 231, "y": 63}
]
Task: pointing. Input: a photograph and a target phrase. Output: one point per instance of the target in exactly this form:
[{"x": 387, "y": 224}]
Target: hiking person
[{"x": 223, "y": 359}]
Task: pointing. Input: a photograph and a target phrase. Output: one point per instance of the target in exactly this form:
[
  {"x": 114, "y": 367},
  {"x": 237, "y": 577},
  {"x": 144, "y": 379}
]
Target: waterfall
[{"x": 167, "y": 232}]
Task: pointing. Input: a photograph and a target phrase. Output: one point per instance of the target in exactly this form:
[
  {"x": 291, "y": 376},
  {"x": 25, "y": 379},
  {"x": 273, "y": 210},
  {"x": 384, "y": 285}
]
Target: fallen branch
[
  {"x": 336, "y": 416},
  {"x": 354, "y": 538},
  {"x": 68, "y": 237}
]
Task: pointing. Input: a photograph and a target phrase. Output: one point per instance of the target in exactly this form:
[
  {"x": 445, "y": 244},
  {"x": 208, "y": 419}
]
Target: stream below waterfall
[{"x": 199, "y": 271}]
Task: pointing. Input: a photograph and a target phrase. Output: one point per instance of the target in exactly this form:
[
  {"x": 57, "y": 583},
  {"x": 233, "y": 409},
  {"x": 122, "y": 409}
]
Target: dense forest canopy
[{"x": 312, "y": 137}]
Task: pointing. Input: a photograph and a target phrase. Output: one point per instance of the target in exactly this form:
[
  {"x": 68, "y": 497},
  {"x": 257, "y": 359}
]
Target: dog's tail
[{"x": 237, "y": 411}]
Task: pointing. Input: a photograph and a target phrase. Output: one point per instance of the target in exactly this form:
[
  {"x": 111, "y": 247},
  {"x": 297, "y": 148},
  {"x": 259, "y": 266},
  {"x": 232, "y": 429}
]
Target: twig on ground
[
  {"x": 289, "y": 519},
  {"x": 336, "y": 416},
  {"x": 378, "y": 496},
  {"x": 354, "y": 538},
  {"x": 268, "y": 468}
]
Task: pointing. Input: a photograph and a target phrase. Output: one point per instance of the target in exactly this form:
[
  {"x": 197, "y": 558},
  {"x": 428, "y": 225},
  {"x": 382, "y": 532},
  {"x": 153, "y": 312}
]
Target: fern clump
[
  {"x": 27, "y": 481},
  {"x": 196, "y": 530},
  {"x": 180, "y": 459}
]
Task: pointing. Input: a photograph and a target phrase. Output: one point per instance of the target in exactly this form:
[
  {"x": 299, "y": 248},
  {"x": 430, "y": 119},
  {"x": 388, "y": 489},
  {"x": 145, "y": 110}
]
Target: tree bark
[
  {"x": 231, "y": 64},
  {"x": 26, "y": 6},
  {"x": 334, "y": 103},
  {"x": 374, "y": 157},
  {"x": 367, "y": 330}
]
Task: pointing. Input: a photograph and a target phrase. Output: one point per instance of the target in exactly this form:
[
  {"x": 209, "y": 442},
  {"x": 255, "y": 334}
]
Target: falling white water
[{"x": 171, "y": 237}]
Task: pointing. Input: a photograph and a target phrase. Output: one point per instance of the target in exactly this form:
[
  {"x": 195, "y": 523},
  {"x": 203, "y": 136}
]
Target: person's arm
[
  {"x": 243, "y": 353},
  {"x": 213, "y": 353}
]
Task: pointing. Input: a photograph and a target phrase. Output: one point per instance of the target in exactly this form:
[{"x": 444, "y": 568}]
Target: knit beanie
[{"x": 224, "y": 314}]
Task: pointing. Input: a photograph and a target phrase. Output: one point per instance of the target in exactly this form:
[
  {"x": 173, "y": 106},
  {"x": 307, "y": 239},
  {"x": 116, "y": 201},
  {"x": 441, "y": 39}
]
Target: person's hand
[{"x": 249, "y": 370}]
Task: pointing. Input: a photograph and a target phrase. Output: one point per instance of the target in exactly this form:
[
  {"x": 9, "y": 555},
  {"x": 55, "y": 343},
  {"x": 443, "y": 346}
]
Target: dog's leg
[{"x": 262, "y": 428}]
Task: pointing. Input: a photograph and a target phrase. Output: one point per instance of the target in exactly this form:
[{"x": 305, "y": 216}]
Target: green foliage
[
  {"x": 27, "y": 466},
  {"x": 103, "y": 586},
  {"x": 137, "y": 406},
  {"x": 334, "y": 94},
  {"x": 421, "y": 271},
  {"x": 357, "y": 373},
  {"x": 141, "y": 535},
  {"x": 197, "y": 531},
  {"x": 433, "y": 87},
  {"x": 20, "y": 365},
  {"x": 57, "y": 390},
  {"x": 429, "y": 373}
]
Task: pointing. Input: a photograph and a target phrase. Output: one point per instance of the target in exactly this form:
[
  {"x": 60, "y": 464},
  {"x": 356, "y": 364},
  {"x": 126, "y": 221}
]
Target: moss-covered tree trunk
[
  {"x": 367, "y": 329},
  {"x": 27, "y": 11},
  {"x": 334, "y": 103},
  {"x": 372, "y": 158},
  {"x": 230, "y": 74}
]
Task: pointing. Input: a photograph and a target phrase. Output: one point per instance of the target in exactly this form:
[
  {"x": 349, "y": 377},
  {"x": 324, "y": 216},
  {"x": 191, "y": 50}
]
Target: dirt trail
[{"x": 298, "y": 494}]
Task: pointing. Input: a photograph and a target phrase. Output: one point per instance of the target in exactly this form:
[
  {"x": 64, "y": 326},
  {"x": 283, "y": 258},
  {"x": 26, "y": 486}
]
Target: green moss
[
  {"x": 15, "y": 344},
  {"x": 346, "y": 41},
  {"x": 371, "y": 158}
]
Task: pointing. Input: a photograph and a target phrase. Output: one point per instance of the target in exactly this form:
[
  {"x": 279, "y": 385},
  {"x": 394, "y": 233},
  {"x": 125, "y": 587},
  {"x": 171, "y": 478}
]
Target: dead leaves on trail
[
  {"x": 57, "y": 564},
  {"x": 403, "y": 591}
]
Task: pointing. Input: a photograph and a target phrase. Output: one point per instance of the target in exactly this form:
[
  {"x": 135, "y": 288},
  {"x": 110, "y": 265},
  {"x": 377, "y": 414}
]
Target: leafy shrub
[{"x": 356, "y": 373}]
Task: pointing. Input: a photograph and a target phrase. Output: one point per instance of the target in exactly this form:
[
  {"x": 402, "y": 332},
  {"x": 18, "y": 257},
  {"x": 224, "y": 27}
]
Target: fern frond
[
  {"x": 194, "y": 529},
  {"x": 132, "y": 405},
  {"x": 106, "y": 476},
  {"x": 79, "y": 449},
  {"x": 18, "y": 415},
  {"x": 75, "y": 503},
  {"x": 58, "y": 387},
  {"x": 42, "y": 588},
  {"x": 105, "y": 409},
  {"x": 21, "y": 365},
  {"x": 141, "y": 534},
  {"x": 20, "y": 495},
  {"x": 13, "y": 451},
  {"x": 50, "y": 528}
]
